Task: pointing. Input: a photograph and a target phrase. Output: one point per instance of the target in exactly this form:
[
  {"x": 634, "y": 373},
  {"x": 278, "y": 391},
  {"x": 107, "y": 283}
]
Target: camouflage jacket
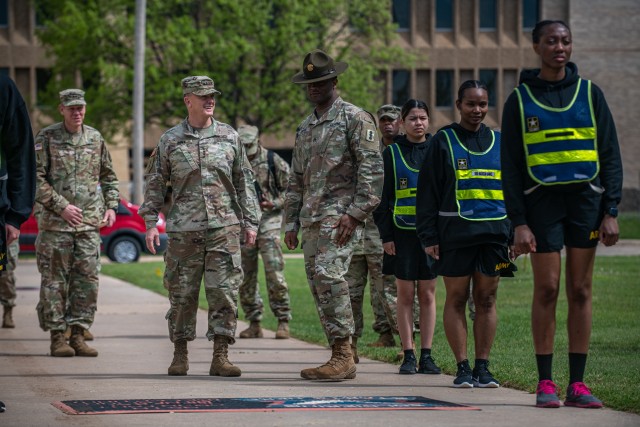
[
  {"x": 75, "y": 171},
  {"x": 273, "y": 187},
  {"x": 336, "y": 167},
  {"x": 210, "y": 178}
]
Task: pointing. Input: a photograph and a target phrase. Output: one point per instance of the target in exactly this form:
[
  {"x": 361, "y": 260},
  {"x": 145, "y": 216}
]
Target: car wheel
[{"x": 124, "y": 249}]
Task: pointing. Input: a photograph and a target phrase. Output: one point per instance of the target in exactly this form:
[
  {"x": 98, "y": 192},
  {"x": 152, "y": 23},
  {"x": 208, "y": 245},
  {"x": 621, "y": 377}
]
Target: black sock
[
  {"x": 577, "y": 364},
  {"x": 425, "y": 352},
  {"x": 479, "y": 362},
  {"x": 545, "y": 363},
  {"x": 408, "y": 353},
  {"x": 462, "y": 364}
]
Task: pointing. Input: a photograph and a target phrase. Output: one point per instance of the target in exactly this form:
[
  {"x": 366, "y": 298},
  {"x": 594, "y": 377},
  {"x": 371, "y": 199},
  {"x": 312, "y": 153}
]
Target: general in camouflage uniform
[
  {"x": 8, "y": 285},
  {"x": 272, "y": 175},
  {"x": 213, "y": 208},
  {"x": 77, "y": 193},
  {"x": 335, "y": 183}
]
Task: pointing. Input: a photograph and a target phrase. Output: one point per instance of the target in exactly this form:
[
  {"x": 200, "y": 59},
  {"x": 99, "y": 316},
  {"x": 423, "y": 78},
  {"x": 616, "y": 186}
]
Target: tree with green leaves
[{"x": 251, "y": 49}]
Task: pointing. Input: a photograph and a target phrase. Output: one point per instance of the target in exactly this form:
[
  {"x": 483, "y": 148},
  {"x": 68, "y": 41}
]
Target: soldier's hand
[
  {"x": 109, "y": 218},
  {"x": 345, "y": 226},
  {"x": 72, "y": 214},
  {"x": 291, "y": 239},
  {"x": 250, "y": 238},
  {"x": 12, "y": 233},
  {"x": 152, "y": 239},
  {"x": 609, "y": 231},
  {"x": 266, "y": 204}
]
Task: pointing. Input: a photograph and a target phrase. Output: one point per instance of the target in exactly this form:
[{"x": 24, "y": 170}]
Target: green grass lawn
[
  {"x": 629, "y": 223},
  {"x": 613, "y": 367}
]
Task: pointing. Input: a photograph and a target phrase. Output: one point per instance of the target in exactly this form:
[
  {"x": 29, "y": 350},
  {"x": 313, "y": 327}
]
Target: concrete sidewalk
[{"x": 131, "y": 335}]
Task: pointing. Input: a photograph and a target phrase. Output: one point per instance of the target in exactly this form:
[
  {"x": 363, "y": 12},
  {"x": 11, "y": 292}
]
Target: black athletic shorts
[
  {"x": 490, "y": 259},
  {"x": 564, "y": 218},
  {"x": 410, "y": 261}
]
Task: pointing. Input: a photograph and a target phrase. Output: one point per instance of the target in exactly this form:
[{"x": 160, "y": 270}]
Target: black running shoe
[
  {"x": 408, "y": 366},
  {"x": 427, "y": 365},
  {"x": 463, "y": 376},
  {"x": 482, "y": 377}
]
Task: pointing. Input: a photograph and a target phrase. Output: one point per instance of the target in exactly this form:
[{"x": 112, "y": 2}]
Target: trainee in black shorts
[
  {"x": 410, "y": 261},
  {"x": 490, "y": 259}
]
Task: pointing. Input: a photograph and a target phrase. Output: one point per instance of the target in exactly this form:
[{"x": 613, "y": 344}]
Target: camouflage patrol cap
[
  {"x": 249, "y": 137},
  {"x": 198, "y": 85},
  {"x": 388, "y": 110},
  {"x": 69, "y": 97}
]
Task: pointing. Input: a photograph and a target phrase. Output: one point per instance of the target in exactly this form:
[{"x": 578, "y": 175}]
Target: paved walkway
[{"x": 135, "y": 352}]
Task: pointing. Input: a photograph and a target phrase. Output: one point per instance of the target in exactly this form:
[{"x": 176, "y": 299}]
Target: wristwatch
[{"x": 613, "y": 212}]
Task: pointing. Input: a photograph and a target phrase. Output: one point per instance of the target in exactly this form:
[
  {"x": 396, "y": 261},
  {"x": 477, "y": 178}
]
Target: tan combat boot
[
  {"x": 180, "y": 363},
  {"x": 283, "y": 330},
  {"x": 7, "y": 318},
  {"x": 341, "y": 365},
  {"x": 253, "y": 331},
  {"x": 384, "y": 340},
  {"x": 354, "y": 349},
  {"x": 77, "y": 343},
  {"x": 88, "y": 336},
  {"x": 59, "y": 346},
  {"x": 220, "y": 365}
]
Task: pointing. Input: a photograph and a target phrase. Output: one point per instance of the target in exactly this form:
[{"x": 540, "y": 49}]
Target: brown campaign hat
[
  {"x": 198, "y": 85},
  {"x": 69, "y": 97},
  {"x": 318, "y": 66}
]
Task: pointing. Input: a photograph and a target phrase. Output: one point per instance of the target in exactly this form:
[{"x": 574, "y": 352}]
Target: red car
[{"x": 123, "y": 242}]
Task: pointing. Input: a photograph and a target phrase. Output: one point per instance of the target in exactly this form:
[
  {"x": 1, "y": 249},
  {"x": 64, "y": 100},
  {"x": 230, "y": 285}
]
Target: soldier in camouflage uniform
[
  {"x": 271, "y": 174},
  {"x": 8, "y": 285},
  {"x": 335, "y": 183},
  {"x": 77, "y": 193},
  {"x": 213, "y": 208}
]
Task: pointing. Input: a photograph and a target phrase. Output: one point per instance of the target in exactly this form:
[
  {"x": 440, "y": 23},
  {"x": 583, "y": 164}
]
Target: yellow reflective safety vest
[
  {"x": 478, "y": 180},
  {"x": 560, "y": 143},
  {"x": 406, "y": 180}
]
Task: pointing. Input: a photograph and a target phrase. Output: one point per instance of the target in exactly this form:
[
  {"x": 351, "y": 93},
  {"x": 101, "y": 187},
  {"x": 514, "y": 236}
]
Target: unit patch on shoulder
[
  {"x": 533, "y": 124},
  {"x": 370, "y": 135},
  {"x": 462, "y": 164}
]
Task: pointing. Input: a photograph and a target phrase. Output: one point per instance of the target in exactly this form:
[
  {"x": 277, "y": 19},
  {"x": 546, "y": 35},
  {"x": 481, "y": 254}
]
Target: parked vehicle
[{"x": 123, "y": 242}]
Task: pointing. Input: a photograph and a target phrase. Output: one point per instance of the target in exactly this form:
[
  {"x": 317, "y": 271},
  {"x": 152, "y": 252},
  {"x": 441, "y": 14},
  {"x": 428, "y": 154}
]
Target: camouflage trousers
[
  {"x": 369, "y": 265},
  {"x": 214, "y": 255},
  {"x": 69, "y": 264},
  {"x": 268, "y": 246},
  {"x": 326, "y": 265},
  {"x": 8, "y": 276}
]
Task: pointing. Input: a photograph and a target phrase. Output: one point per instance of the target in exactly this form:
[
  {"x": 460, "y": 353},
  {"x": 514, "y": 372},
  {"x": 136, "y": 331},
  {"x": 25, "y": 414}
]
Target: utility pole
[{"x": 138, "y": 100}]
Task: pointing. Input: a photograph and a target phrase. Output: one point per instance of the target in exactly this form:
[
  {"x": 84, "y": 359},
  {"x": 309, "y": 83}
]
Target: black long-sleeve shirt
[
  {"x": 414, "y": 154},
  {"x": 437, "y": 192},
  {"x": 515, "y": 178},
  {"x": 17, "y": 156}
]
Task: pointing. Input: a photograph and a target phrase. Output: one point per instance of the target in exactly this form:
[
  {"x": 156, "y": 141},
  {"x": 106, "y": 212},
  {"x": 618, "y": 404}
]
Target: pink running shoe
[
  {"x": 547, "y": 395},
  {"x": 579, "y": 395}
]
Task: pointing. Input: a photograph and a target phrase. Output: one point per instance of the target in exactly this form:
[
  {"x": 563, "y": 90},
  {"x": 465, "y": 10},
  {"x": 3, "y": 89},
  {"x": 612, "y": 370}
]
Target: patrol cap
[
  {"x": 69, "y": 97},
  {"x": 198, "y": 85},
  {"x": 388, "y": 110},
  {"x": 318, "y": 66},
  {"x": 249, "y": 137}
]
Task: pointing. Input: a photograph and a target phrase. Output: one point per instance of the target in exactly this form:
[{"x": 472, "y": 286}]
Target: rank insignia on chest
[
  {"x": 533, "y": 124},
  {"x": 462, "y": 164},
  {"x": 404, "y": 183},
  {"x": 370, "y": 135}
]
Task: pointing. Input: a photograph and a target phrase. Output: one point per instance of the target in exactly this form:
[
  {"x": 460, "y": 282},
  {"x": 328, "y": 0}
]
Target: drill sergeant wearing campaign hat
[
  {"x": 213, "y": 208},
  {"x": 272, "y": 174},
  {"x": 336, "y": 181},
  {"x": 77, "y": 194}
]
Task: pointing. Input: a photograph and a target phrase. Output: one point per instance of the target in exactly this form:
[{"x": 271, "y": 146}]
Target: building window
[
  {"x": 489, "y": 77},
  {"x": 400, "y": 88},
  {"x": 444, "y": 15},
  {"x": 530, "y": 13},
  {"x": 401, "y": 10},
  {"x": 488, "y": 16},
  {"x": 43, "y": 75},
  {"x": 4, "y": 13},
  {"x": 444, "y": 88}
]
